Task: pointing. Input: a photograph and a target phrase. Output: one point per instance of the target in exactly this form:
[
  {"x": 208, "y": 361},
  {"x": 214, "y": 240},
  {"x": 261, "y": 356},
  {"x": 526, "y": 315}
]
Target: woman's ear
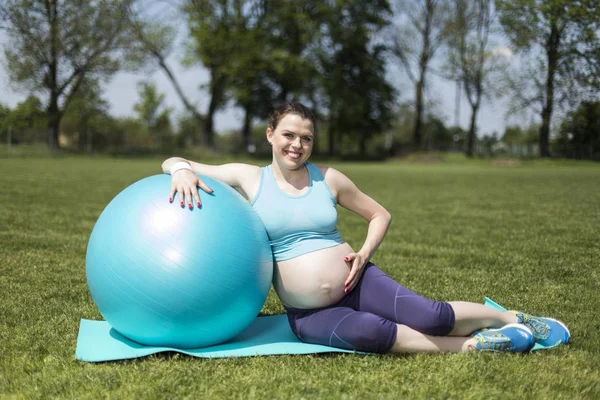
[{"x": 270, "y": 135}]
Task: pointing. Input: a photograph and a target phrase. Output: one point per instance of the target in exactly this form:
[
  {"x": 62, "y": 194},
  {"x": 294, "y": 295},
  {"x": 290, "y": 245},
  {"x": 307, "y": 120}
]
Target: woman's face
[{"x": 292, "y": 141}]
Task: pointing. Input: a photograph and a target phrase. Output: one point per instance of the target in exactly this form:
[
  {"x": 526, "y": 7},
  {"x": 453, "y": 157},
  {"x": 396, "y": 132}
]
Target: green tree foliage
[
  {"x": 153, "y": 113},
  {"x": 521, "y": 140},
  {"x": 87, "y": 116},
  {"x": 276, "y": 61},
  {"x": 579, "y": 135},
  {"x": 359, "y": 98},
  {"x": 4, "y": 113},
  {"x": 213, "y": 28},
  {"x": 562, "y": 39},
  {"x": 436, "y": 136},
  {"x": 293, "y": 32},
  {"x": 5, "y": 130},
  {"x": 27, "y": 121},
  {"x": 56, "y": 45},
  {"x": 256, "y": 53}
]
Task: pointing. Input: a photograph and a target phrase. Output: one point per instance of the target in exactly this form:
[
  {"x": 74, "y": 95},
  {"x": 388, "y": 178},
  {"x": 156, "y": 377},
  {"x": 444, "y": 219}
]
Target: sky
[{"x": 121, "y": 93}]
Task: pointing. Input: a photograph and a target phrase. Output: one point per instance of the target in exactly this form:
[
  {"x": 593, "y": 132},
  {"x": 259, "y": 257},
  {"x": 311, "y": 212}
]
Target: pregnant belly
[{"x": 314, "y": 279}]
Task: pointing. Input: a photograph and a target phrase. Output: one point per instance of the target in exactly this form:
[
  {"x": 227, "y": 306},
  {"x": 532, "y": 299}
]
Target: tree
[
  {"x": 471, "y": 61},
  {"x": 420, "y": 35},
  {"x": 292, "y": 31},
  {"x": 154, "y": 41},
  {"x": 562, "y": 39},
  {"x": 5, "y": 130},
  {"x": 26, "y": 121},
  {"x": 56, "y": 45},
  {"x": 87, "y": 115},
  {"x": 579, "y": 134},
  {"x": 359, "y": 98},
  {"x": 212, "y": 25},
  {"x": 521, "y": 140},
  {"x": 151, "y": 111}
]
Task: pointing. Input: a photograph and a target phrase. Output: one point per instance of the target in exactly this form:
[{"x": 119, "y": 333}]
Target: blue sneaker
[
  {"x": 547, "y": 331},
  {"x": 515, "y": 338}
]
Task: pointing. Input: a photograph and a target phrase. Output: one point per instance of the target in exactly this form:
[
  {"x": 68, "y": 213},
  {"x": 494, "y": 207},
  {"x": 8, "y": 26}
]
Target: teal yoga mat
[{"x": 270, "y": 335}]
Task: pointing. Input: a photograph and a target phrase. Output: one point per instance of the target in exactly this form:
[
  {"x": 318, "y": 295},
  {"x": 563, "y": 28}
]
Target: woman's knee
[
  {"x": 438, "y": 320},
  {"x": 369, "y": 333}
]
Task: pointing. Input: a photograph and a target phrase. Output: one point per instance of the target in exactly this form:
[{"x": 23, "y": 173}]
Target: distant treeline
[{"x": 332, "y": 55}]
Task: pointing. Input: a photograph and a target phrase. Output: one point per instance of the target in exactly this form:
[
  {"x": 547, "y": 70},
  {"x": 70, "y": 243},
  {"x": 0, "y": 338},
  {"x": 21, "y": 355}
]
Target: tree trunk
[
  {"x": 417, "y": 134},
  {"x": 423, "y": 63},
  {"x": 209, "y": 132},
  {"x": 53, "y": 111},
  {"x": 54, "y": 118},
  {"x": 208, "y": 140},
  {"x": 552, "y": 53},
  {"x": 472, "y": 131},
  {"x": 246, "y": 129}
]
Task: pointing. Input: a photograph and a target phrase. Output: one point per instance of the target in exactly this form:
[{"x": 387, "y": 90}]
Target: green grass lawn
[{"x": 525, "y": 235}]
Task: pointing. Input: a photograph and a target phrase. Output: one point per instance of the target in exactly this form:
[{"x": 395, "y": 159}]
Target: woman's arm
[
  {"x": 350, "y": 197},
  {"x": 243, "y": 177}
]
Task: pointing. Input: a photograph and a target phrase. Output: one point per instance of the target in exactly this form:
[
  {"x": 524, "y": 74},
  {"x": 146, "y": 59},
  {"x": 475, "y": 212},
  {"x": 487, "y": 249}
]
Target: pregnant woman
[{"x": 332, "y": 294}]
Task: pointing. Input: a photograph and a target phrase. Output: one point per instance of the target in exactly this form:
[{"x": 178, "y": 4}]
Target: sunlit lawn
[{"x": 525, "y": 235}]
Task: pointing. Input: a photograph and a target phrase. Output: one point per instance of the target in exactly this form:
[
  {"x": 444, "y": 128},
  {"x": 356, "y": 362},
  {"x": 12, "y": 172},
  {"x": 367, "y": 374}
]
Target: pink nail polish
[
  {"x": 170, "y": 199},
  {"x": 182, "y": 204},
  {"x": 199, "y": 204},
  {"x": 346, "y": 290}
]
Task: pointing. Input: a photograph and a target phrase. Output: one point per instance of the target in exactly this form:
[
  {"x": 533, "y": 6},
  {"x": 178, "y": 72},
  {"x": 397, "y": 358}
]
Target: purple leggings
[{"x": 366, "y": 318}]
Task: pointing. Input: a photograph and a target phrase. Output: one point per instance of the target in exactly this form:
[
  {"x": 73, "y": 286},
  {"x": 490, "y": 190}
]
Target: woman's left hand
[{"x": 357, "y": 263}]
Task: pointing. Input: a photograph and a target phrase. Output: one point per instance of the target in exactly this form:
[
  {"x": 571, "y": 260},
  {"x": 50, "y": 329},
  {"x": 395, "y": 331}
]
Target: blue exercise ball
[{"x": 163, "y": 275}]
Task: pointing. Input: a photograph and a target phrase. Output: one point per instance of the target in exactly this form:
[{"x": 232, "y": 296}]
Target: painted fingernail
[
  {"x": 182, "y": 204},
  {"x": 199, "y": 204},
  {"x": 190, "y": 206},
  {"x": 170, "y": 199},
  {"x": 346, "y": 258},
  {"x": 346, "y": 290}
]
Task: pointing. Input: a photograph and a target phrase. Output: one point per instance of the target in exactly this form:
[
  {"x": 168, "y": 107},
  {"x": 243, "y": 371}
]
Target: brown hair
[{"x": 286, "y": 108}]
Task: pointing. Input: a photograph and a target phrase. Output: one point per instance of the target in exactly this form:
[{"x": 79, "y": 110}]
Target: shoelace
[
  {"x": 537, "y": 326},
  {"x": 493, "y": 341}
]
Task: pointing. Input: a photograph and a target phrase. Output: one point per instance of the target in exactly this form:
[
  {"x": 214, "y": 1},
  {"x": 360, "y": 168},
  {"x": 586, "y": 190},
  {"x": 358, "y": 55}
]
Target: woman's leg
[
  {"x": 409, "y": 340},
  {"x": 344, "y": 328},
  {"x": 381, "y": 295},
  {"x": 470, "y": 317}
]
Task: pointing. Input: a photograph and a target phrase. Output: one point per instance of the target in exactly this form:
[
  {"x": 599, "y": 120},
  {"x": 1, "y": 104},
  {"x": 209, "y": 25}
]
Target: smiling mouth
[{"x": 293, "y": 154}]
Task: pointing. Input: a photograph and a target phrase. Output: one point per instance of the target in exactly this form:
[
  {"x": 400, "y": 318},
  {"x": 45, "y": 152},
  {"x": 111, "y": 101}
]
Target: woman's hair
[{"x": 286, "y": 108}]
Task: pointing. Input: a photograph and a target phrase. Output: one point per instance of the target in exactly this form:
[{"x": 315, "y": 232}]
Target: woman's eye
[
  {"x": 288, "y": 135},
  {"x": 307, "y": 139}
]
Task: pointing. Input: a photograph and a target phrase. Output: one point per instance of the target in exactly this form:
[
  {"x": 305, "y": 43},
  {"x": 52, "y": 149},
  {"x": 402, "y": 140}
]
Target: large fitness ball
[{"x": 164, "y": 275}]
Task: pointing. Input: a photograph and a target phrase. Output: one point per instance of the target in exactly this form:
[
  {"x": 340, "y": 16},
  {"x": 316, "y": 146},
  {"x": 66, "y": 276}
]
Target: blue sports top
[{"x": 297, "y": 225}]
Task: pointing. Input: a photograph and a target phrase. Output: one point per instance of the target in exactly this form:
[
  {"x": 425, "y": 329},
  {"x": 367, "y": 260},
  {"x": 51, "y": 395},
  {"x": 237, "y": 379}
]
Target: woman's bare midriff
[{"x": 313, "y": 280}]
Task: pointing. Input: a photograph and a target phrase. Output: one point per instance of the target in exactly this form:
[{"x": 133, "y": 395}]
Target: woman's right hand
[{"x": 185, "y": 183}]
